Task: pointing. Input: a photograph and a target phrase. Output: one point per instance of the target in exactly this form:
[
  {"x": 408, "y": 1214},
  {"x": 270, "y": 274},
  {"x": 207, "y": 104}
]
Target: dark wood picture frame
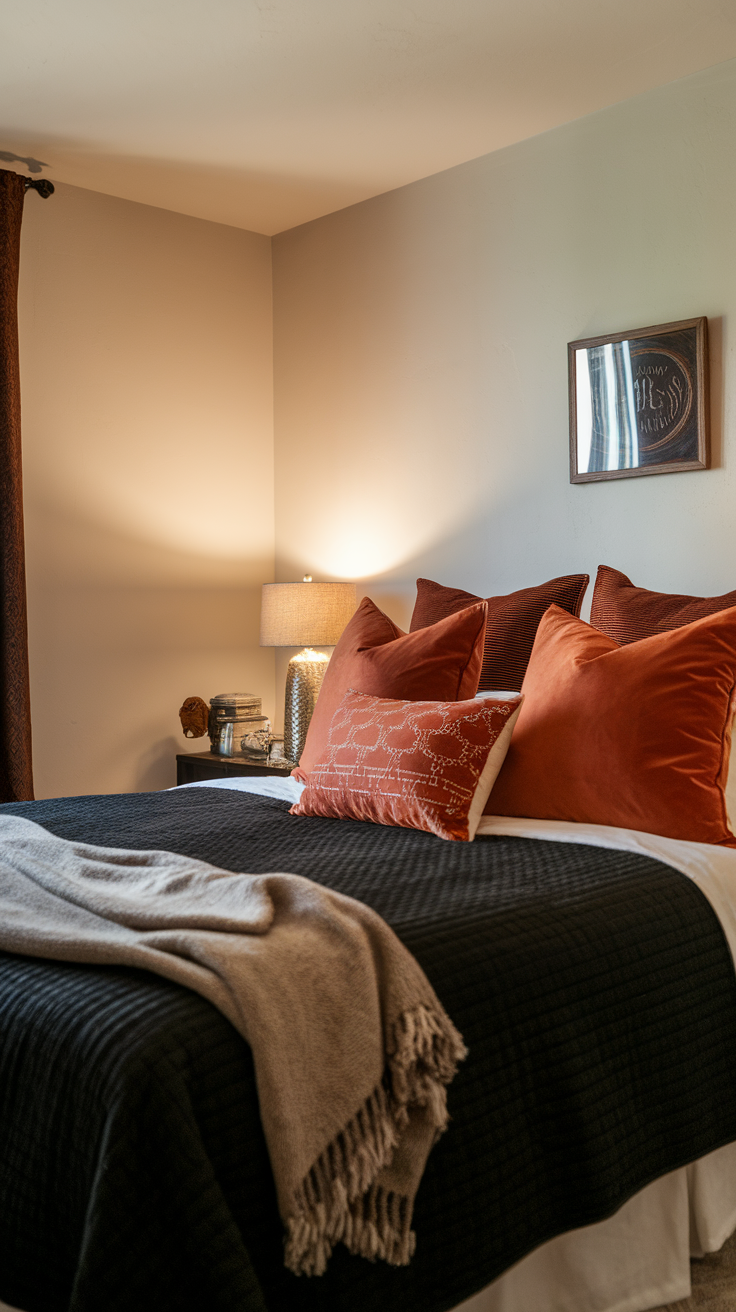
[{"x": 665, "y": 399}]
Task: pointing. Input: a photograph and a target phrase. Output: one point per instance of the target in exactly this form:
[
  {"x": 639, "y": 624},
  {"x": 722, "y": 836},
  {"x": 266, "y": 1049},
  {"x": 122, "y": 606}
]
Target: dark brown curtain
[{"x": 16, "y": 775}]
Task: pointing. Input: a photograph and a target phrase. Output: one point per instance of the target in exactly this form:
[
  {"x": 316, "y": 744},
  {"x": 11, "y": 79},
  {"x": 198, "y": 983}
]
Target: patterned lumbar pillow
[{"x": 420, "y": 765}]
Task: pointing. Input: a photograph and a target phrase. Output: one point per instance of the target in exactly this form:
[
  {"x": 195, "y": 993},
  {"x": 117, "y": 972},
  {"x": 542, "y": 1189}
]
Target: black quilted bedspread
[{"x": 594, "y": 989}]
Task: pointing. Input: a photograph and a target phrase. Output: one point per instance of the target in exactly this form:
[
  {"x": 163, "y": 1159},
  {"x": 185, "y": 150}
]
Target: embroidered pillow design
[{"x": 419, "y": 765}]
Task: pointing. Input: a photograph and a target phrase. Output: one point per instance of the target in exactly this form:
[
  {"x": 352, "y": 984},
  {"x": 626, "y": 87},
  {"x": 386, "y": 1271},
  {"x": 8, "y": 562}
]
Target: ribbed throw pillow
[
  {"x": 420, "y": 765},
  {"x": 512, "y": 621},
  {"x": 441, "y": 663},
  {"x": 627, "y": 613},
  {"x": 638, "y": 736}
]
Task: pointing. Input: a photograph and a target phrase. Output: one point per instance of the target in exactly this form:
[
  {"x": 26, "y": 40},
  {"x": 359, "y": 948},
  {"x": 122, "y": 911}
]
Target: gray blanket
[{"x": 351, "y": 1046}]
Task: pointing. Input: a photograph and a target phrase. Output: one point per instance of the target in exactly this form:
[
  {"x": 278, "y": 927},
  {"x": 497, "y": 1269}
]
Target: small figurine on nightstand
[
  {"x": 194, "y": 715},
  {"x": 276, "y": 753}
]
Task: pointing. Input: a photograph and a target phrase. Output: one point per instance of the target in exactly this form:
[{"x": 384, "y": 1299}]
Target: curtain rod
[{"x": 41, "y": 185}]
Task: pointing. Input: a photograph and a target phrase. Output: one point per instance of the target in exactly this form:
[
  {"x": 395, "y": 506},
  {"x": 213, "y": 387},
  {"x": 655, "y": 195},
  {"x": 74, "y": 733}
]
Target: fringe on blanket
[{"x": 339, "y": 1200}]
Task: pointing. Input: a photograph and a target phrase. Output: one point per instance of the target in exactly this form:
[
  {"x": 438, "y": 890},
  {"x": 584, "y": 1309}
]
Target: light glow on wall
[
  {"x": 375, "y": 528},
  {"x": 220, "y": 529},
  {"x": 182, "y": 488}
]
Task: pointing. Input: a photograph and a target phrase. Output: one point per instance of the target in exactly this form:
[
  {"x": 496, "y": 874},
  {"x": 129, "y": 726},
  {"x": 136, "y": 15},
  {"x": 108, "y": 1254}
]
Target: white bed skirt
[{"x": 637, "y": 1259}]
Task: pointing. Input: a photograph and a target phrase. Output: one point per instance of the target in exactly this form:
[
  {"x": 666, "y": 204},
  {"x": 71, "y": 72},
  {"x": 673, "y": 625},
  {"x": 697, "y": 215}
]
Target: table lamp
[{"x": 304, "y": 615}]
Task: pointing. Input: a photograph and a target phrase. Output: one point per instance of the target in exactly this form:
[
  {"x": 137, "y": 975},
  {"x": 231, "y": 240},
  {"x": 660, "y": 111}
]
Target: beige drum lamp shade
[{"x": 304, "y": 615}]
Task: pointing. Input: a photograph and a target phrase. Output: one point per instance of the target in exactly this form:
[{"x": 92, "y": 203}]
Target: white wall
[
  {"x": 145, "y": 342},
  {"x": 421, "y": 410},
  {"x": 421, "y": 364}
]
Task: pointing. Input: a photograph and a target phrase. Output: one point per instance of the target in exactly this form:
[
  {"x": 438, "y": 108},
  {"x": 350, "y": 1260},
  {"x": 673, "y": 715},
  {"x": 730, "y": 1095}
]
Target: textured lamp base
[{"x": 303, "y": 682}]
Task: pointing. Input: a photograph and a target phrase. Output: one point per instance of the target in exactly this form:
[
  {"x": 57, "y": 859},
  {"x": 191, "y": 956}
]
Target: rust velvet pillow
[
  {"x": 511, "y": 625},
  {"x": 627, "y": 613},
  {"x": 418, "y": 764},
  {"x": 441, "y": 663},
  {"x": 637, "y": 737}
]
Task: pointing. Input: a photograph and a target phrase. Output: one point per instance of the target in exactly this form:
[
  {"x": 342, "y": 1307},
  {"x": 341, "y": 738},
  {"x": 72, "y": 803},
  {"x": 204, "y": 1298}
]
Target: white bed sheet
[
  {"x": 280, "y": 786},
  {"x": 640, "y": 1258}
]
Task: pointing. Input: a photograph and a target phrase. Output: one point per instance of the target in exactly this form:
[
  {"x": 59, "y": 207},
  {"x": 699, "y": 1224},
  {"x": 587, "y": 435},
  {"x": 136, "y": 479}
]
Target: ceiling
[{"x": 267, "y": 113}]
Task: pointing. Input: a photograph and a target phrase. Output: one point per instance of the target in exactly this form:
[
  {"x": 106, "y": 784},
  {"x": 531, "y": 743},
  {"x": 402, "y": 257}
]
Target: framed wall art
[{"x": 639, "y": 402}]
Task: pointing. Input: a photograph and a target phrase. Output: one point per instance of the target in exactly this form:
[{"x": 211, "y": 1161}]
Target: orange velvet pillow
[
  {"x": 627, "y": 613},
  {"x": 511, "y": 625},
  {"x": 420, "y": 765},
  {"x": 637, "y": 737},
  {"x": 374, "y": 655}
]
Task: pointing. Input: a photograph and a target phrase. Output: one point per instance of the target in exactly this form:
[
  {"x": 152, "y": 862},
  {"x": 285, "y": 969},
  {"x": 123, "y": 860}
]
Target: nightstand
[{"x": 197, "y": 767}]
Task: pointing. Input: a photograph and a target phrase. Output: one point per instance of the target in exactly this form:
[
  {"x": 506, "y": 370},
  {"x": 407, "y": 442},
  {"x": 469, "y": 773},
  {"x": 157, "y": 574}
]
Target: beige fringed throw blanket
[{"x": 352, "y": 1048}]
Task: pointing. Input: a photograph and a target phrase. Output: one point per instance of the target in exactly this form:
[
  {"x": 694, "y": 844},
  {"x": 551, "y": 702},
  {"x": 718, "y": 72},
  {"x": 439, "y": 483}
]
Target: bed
[
  {"x": 594, "y": 987},
  {"x": 587, "y": 957}
]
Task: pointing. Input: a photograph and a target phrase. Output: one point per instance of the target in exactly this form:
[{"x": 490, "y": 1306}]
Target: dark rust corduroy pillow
[
  {"x": 627, "y": 613},
  {"x": 512, "y": 622}
]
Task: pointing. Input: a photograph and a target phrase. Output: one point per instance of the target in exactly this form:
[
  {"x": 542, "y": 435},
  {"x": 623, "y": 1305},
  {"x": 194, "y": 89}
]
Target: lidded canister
[{"x": 228, "y": 712}]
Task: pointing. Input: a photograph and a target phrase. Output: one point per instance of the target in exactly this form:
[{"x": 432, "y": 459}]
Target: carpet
[{"x": 713, "y": 1281}]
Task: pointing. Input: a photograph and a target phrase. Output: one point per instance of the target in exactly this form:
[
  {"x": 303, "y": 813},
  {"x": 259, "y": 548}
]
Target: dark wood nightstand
[{"x": 197, "y": 767}]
